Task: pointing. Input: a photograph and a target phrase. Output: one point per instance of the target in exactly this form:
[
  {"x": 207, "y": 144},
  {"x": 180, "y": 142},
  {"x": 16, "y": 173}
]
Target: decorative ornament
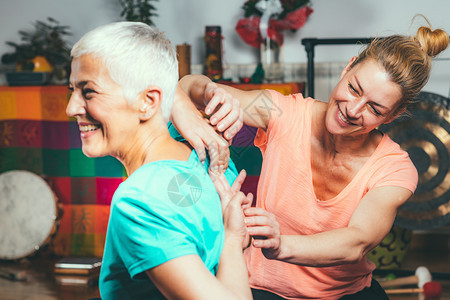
[
  {"x": 262, "y": 27},
  {"x": 275, "y": 16}
]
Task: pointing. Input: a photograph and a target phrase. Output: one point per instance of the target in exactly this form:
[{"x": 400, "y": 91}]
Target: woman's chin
[{"x": 91, "y": 153}]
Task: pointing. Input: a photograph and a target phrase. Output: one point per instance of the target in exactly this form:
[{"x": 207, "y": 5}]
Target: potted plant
[
  {"x": 42, "y": 50},
  {"x": 138, "y": 10}
]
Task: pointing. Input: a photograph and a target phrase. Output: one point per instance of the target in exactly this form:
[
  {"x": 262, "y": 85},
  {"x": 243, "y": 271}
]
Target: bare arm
[
  {"x": 207, "y": 96},
  {"x": 228, "y": 107},
  {"x": 187, "y": 277},
  {"x": 369, "y": 224}
]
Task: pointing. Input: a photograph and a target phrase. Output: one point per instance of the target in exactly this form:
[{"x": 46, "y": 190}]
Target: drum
[{"x": 28, "y": 214}]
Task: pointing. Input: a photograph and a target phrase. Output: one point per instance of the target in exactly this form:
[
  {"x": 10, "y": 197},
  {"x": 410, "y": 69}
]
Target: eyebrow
[
  {"x": 362, "y": 90},
  {"x": 82, "y": 83}
]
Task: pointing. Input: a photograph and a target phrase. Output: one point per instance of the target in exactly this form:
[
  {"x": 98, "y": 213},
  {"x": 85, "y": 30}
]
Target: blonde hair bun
[{"x": 431, "y": 41}]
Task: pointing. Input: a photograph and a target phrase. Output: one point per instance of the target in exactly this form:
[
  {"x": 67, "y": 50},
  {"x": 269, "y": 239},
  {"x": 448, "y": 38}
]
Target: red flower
[
  {"x": 248, "y": 28},
  {"x": 294, "y": 20}
]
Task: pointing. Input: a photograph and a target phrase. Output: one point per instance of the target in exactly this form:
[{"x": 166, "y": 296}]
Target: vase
[{"x": 271, "y": 56}]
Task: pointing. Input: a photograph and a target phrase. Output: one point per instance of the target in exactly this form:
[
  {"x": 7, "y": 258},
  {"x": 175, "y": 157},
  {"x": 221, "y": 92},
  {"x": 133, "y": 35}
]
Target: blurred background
[{"x": 37, "y": 136}]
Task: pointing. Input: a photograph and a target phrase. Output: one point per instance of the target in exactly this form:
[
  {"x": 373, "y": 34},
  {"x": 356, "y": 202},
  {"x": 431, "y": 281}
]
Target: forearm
[
  {"x": 194, "y": 86},
  {"x": 232, "y": 271},
  {"x": 182, "y": 105},
  {"x": 335, "y": 247}
]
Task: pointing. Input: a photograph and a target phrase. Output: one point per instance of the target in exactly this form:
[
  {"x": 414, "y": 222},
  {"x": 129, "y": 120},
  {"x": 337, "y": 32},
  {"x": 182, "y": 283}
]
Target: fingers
[
  {"x": 222, "y": 187},
  {"x": 238, "y": 200},
  {"x": 229, "y": 117},
  {"x": 249, "y": 201},
  {"x": 215, "y": 95},
  {"x": 257, "y": 211},
  {"x": 237, "y": 184},
  {"x": 199, "y": 147},
  {"x": 261, "y": 232},
  {"x": 219, "y": 153},
  {"x": 225, "y": 110},
  {"x": 265, "y": 244},
  {"x": 235, "y": 127},
  {"x": 261, "y": 224},
  {"x": 234, "y": 219}
]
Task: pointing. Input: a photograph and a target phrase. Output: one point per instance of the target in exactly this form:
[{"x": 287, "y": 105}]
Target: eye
[
  {"x": 352, "y": 89},
  {"x": 87, "y": 93},
  {"x": 70, "y": 88},
  {"x": 374, "y": 110}
]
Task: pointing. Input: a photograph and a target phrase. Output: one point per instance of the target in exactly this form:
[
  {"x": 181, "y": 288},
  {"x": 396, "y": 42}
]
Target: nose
[
  {"x": 76, "y": 105},
  {"x": 355, "y": 108}
]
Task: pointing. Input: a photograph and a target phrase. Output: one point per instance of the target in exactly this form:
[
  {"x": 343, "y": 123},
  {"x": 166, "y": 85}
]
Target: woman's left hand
[
  {"x": 233, "y": 202},
  {"x": 265, "y": 230}
]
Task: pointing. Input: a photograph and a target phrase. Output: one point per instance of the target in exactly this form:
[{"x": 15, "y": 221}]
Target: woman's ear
[
  {"x": 348, "y": 66},
  {"x": 150, "y": 102}
]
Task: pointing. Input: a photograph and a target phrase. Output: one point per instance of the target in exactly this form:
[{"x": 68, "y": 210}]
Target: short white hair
[{"x": 136, "y": 56}]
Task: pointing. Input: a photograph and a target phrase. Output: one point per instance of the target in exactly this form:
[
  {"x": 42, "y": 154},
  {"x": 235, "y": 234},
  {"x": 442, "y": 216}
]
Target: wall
[{"x": 184, "y": 21}]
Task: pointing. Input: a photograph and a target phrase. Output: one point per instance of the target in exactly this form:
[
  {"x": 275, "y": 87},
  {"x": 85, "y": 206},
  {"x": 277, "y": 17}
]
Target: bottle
[{"x": 213, "y": 57}]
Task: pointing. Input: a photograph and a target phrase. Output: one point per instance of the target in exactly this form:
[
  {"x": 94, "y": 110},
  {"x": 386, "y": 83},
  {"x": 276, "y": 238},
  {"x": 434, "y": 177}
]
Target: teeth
[
  {"x": 91, "y": 127},
  {"x": 342, "y": 117}
]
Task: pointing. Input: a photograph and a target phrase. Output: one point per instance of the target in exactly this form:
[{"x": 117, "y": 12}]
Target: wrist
[
  {"x": 283, "y": 253},
  {"x": 233, "y": 240}
]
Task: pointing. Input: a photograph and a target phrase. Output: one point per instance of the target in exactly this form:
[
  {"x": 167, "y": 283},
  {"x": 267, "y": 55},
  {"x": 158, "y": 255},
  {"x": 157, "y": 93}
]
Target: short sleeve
[
  {"x": 395, "y": 169},
  {"x": 286, "y": 112},
  {"x": 151, "y": 232}
]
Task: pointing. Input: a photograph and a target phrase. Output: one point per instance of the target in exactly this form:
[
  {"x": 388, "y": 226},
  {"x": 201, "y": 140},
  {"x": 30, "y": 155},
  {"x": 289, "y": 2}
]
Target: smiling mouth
[
  {"x": 343, "y": 118},
  {"x": 87, "y": 128}
]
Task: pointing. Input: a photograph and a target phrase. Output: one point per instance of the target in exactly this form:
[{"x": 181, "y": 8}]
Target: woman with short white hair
[{"x": 166, "y": 233}]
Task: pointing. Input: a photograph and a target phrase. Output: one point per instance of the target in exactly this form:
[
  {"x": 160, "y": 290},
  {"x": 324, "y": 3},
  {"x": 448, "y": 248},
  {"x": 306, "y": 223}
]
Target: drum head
[{"x": 28, "y": 212}]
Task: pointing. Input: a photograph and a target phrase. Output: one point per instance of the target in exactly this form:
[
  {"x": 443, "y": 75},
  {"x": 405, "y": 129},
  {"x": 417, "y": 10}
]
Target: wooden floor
[{"x": 41, "y": 283}]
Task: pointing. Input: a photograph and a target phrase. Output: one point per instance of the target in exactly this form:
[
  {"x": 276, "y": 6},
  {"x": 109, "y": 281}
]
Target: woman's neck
[{"x": 158, "y": 145}]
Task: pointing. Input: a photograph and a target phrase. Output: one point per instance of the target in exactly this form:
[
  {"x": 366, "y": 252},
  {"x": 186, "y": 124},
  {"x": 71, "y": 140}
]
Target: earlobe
[{"x": 150, "y": 102}]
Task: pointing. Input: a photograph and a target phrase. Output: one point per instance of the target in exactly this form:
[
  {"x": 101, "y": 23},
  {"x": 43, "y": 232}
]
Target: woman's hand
[
  {"x": 225, "y": 111},
  {"x": 233, "y": 202},
  {"x": 265, "y": 230},
  {"x": 199, "y": 133}
]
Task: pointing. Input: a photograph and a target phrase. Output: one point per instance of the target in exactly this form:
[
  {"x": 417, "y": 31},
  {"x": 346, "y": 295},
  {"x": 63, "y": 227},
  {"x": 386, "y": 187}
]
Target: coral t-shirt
[{"x": 285, "y": 189}]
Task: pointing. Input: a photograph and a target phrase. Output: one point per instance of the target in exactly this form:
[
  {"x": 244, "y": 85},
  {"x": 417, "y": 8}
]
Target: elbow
[
  {"x": 356, "y": 257},
  {"x": 357, "y": 252},
  {"x": 360, "y": 253}
]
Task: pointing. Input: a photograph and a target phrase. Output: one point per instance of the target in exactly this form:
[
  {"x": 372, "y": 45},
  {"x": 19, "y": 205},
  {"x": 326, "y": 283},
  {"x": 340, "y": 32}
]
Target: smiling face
[
  {"x": 363, "y": 99},
  {"x": 105, "y": 118}
]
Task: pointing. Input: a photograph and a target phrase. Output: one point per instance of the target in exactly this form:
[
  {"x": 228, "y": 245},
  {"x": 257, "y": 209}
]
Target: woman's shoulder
[
  {"x": 390, "y": 155},
  {"x": 291, "y": 104}
]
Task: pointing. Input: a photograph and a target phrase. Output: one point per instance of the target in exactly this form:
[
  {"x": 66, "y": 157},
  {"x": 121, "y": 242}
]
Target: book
[
  {"x": 78, "y": 265},
  {"x": 64, "y": 279}
]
